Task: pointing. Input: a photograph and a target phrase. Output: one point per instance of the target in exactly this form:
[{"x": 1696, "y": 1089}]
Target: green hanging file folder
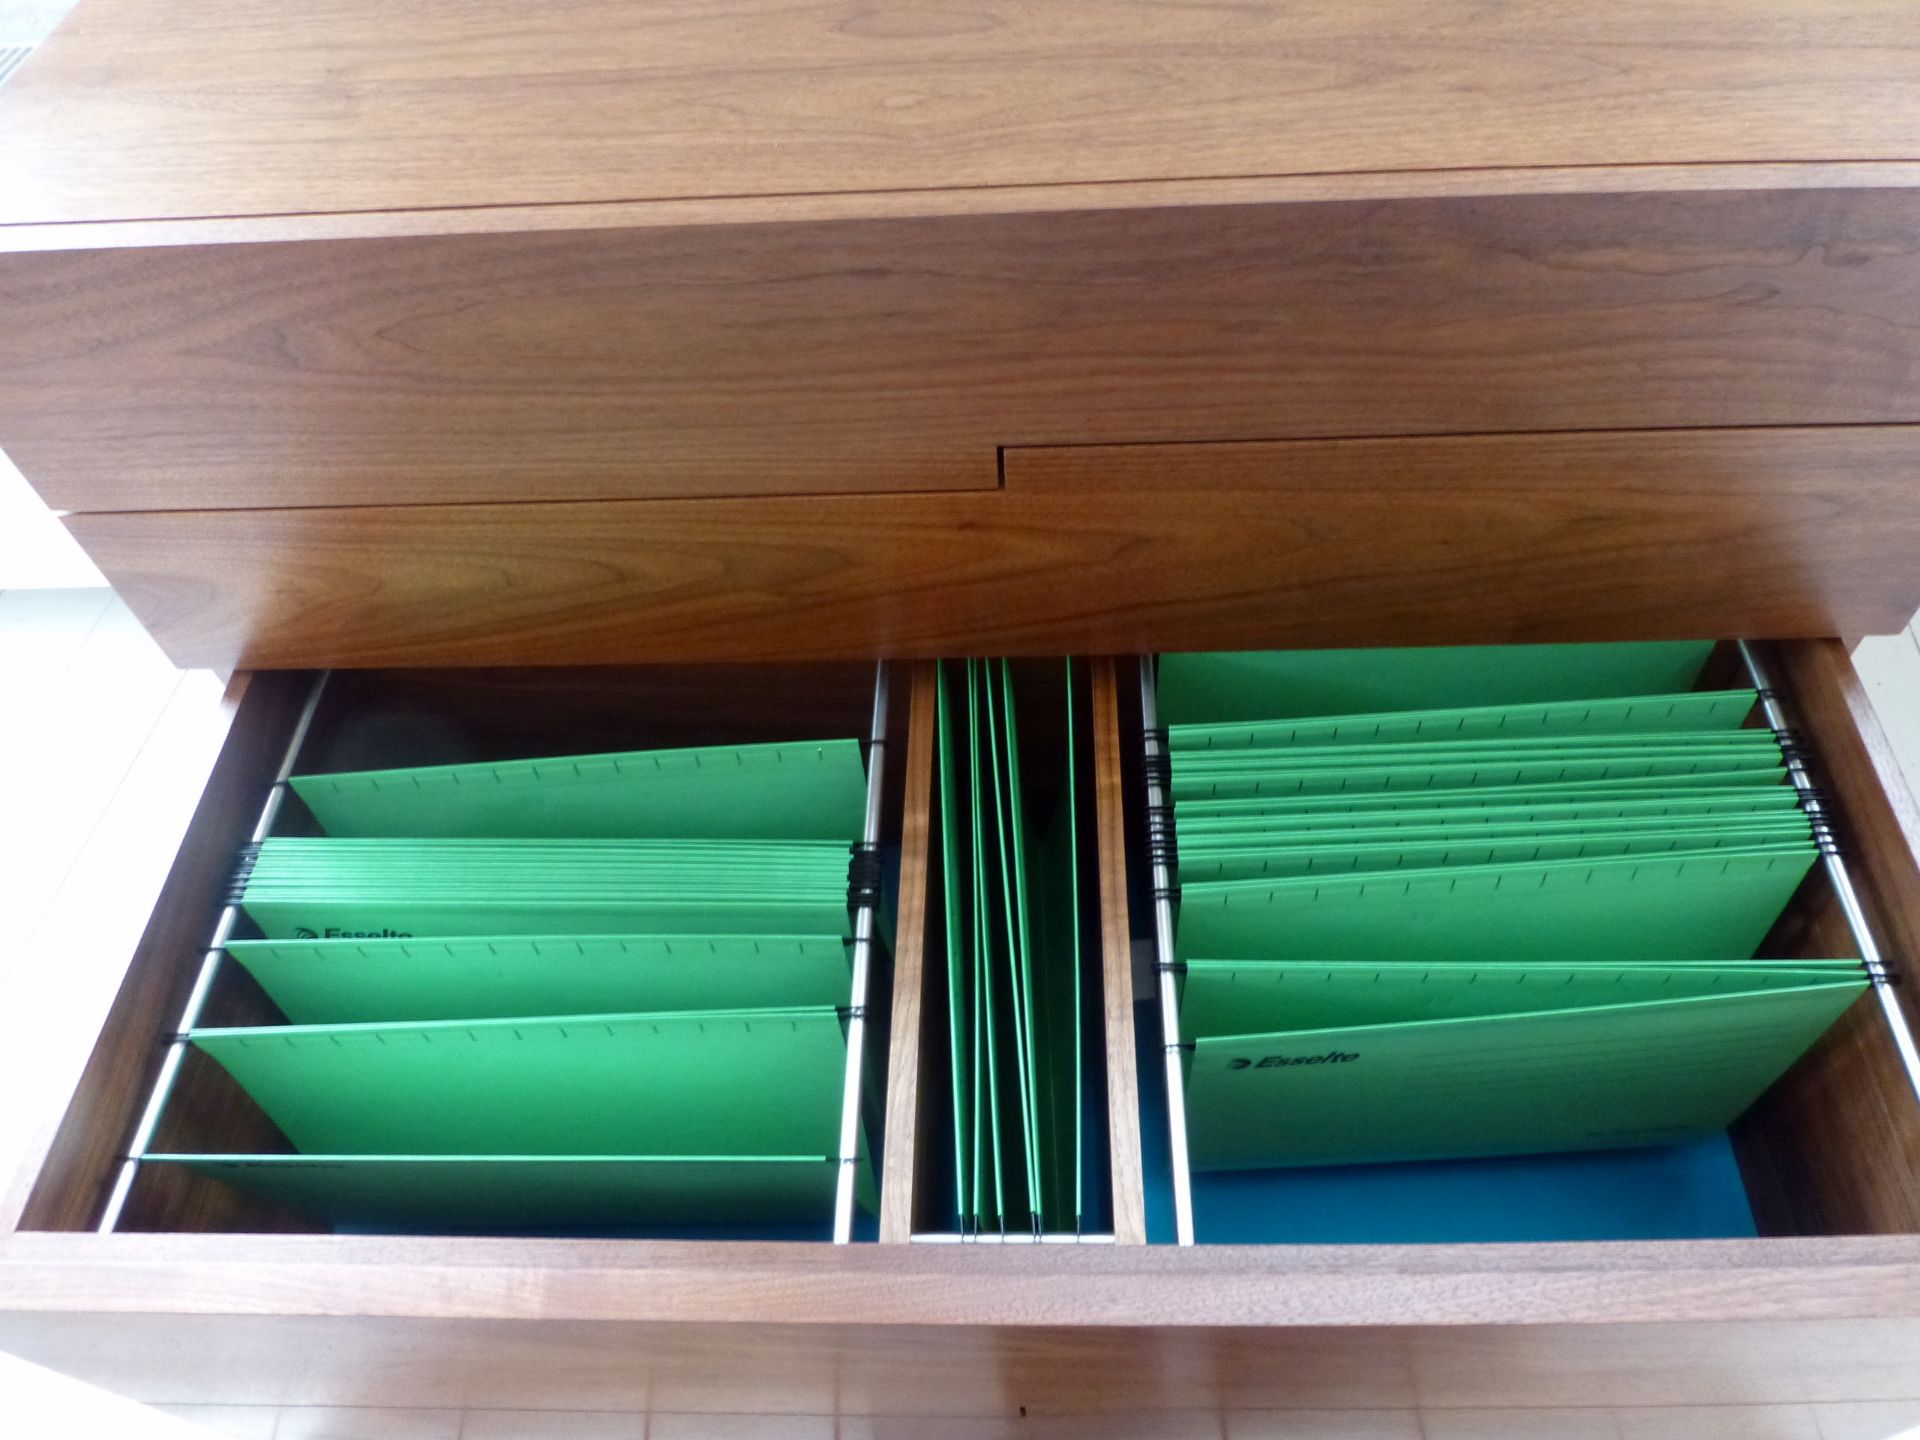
[
  {"x": 809, "y": 790},
  {"x": 1213, "y": 780},
  {"x": 693, "y": 1083},
  {"x": 1704, "y": 714},
  {"x": 1284, "y": 684},
  {"x": 317, "y": 982},
  {"x": 1707, "y": 906},
  {"x": 1244, "y": 997},
  {"x": 1651, "y": 1073},
  {"x": 1724, "y": 790},
  {"x": 1408, "y": 857}
]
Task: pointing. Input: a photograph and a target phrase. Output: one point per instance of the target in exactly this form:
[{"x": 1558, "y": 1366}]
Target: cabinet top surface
[{"x": 164, "y": 109}]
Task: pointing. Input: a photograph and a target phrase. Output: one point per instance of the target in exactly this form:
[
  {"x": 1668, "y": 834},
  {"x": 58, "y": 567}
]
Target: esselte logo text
[{"x": 1272, "y": 1062}]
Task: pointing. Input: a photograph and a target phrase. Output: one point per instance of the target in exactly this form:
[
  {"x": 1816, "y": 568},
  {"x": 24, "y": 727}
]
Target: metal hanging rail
[
  {"x": 176, "y": 1052},
  {"x": 1814, "y": 804},
  {"x": 863, "y": 925},
  {"x": 1159, "y": 825}
]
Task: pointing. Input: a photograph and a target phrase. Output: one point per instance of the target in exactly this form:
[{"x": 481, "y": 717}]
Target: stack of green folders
[
  {"x": 1518, "y": 920},
  {"x": 556, "y": 993},
  {"x": 1013, "y": 950}
]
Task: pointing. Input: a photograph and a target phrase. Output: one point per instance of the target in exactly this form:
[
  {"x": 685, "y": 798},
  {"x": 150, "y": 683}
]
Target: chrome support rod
[
  {"x": 1157, "y": 797},
  {"x": 176, "y": 1052},
  {"x": 863, "y": 925},
  {"x": 1837, "y": 873}
]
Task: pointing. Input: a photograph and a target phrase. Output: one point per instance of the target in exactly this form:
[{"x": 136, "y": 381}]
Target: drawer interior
[
  {"x": 383, "y": 720},
  {"x": 1831, "y": 1147},
  {"x": 971, "y": 1179}
]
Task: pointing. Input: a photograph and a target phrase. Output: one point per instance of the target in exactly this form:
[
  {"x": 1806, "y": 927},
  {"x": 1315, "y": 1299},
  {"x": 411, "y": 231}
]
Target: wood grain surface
[
  {"x": 899, "y": 355},
  {"x": 75, "y": 968},
  {"x": 743, "y": 1282},
  {"x": 1116, "y": 955},
  {"x": 906, "y": 1056},
  {"x": 1789, "y": 532},
  {"x": 164, "y": 107},
  {"x": 1880, "y": 820},
  {"x": 1834, "y": 1146},
  {"x": 64, "y": 1185},
  {"x": 1130, "y": 1383},
  {"x": 1374, "y": 186}
]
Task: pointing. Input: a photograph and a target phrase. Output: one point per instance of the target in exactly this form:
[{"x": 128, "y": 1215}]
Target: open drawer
[
  {"x": 203, "y": 1298},
  {"x": 1505, "y": 1040}
]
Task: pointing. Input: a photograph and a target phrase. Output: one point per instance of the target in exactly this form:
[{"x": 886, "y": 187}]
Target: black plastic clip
[
  {"x": 245, "y": 859},
  {"x": 1156, "y": 759},
  {"x": 865, "y": 876}
]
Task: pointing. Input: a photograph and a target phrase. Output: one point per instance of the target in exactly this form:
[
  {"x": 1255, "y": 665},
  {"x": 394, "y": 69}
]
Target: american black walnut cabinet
[{"x": 588, "y": 371}]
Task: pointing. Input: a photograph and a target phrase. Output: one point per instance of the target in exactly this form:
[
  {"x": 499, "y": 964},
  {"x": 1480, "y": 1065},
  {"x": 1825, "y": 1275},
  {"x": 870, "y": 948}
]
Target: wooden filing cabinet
[{"x": 591, "y": 377}]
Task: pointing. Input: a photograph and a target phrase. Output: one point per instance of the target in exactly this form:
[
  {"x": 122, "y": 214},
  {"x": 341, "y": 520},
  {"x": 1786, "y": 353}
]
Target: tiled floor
[
  {"x": 1879, "y": 1421},
  {"x": 1890, "y": 665}
]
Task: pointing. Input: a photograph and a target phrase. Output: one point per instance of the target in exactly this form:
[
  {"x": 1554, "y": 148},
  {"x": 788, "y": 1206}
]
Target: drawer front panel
[
  {"x": 1439, "y": 540},
  {"x": 896, "y": 355},
  {"x": 372, "y": 110}
]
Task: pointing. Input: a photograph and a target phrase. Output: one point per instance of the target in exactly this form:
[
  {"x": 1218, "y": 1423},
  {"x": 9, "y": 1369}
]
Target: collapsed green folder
[
  {"x": 397, "y": 888},
  {"x": 1210, "y": 843},
  {"x": 1728, "y": 789},
  {"x": 1016, "y": 1051},
  {"x": 810, "y": 790},
  {"x": 317, "y": 982}
]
